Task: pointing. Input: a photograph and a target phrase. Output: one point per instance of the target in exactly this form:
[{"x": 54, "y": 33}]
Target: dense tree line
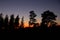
[{"x": 48, "y": 23}]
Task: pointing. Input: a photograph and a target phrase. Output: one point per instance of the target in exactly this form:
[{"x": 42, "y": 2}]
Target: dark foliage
[{"x": 12, "y": 24}]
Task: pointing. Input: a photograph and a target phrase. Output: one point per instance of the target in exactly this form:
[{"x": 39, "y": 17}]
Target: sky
[{"x": 23, "y": 7}]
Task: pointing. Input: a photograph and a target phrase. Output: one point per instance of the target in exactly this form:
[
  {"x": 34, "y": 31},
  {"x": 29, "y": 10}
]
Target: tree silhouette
[
  {"x": 48, "y": 23},
  {"x": 48, "y": 17},
  {"x": 1, "y": 21},
  {"x": 6, "y": 23},
  {"x": 32, "y": 18},
  {"x": 11, "y": 23},
  {"x": 17, "y": 21},
  {"x": 22, "y": 22}
]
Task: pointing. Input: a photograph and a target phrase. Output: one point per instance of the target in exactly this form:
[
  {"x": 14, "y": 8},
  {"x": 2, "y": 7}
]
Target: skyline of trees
[
  {"x": 47, "y": 22},
  {"x": 31, "y": 17}
]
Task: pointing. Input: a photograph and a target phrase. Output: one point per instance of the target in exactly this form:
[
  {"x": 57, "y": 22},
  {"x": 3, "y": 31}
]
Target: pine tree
[
  {"x": 11, "y": 23},
  {"x": 17, "y": 21},
  {"x": 6, "y": 23},
  {"x": 22, "y": 22},
  {"x": 1, "y": 21}
]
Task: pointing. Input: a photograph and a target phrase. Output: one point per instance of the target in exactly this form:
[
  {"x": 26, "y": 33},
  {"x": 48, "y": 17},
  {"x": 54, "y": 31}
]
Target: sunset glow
[
  {"x": 29, "y": 16},
  {"x": 26, "y": 24},
  {"x": 23, "y": 7}
]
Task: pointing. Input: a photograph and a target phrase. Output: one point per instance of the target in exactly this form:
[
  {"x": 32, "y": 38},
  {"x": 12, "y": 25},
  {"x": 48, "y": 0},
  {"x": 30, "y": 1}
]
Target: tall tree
[
  {"x": 17, "y": 21},
  {"x": 6, "y": 22},
  {"x": 22, "y": 22},
  {"x": 1, "y": 21},
  {"x": 11, "y": 23},
  {"x": 32, "y": 18}
]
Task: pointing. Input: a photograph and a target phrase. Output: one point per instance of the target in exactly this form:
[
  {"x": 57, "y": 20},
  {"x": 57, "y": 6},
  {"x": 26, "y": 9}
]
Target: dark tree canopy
[{"x": 47, "y": 17}]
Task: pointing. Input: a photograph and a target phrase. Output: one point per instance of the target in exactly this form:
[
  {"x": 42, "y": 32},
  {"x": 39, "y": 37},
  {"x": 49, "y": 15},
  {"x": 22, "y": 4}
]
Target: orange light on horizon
[{"x": 26, "y": 24}]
